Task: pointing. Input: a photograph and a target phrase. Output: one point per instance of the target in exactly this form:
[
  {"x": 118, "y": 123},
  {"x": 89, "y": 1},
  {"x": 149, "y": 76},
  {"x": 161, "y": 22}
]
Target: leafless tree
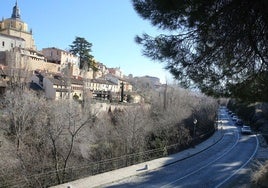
[
  {"x": 45, "y": 134},
  {"x": 21, "y": 121},
  {"x": 21, "y": 113},
  {"x": 174, "y": 119},
  {"x": 65, "y": 121},
  {"x": 122, "y": 133},
  {"x": 132, "y": 126}
]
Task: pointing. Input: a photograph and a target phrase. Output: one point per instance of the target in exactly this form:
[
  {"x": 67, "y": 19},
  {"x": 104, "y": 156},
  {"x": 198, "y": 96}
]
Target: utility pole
[
  {"x": 122, "y": 91},
  {"x": 165, "y": 97}
]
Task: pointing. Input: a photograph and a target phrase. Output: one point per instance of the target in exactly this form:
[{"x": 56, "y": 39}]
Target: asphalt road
[{"x": 214, "y": 167}]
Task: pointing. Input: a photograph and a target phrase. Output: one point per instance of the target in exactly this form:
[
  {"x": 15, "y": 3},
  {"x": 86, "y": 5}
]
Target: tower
[
  {"x": 16, "y": 12},
  {"x": 15, "y": 27}
]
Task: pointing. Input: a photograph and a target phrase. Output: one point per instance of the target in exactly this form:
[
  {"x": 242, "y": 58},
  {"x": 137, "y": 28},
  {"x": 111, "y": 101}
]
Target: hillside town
[{"x": 55, "y": 72}]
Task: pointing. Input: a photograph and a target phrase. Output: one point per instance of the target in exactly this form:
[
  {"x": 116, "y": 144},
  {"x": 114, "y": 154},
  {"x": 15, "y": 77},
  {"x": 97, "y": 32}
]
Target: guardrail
[{"x": 131, "y": 159}]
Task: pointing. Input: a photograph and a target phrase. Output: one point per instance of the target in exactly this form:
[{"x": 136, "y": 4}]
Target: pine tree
[
  {"x": 218, "y": 46},
  {"x": 82, "y": 48}
]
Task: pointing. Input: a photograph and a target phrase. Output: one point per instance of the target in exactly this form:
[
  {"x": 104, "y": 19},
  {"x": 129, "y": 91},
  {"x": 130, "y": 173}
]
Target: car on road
[
  {"x": 239, "y": 122},
  {"x": 246, "y": 130},
  {"x": 234, "y": 118}
]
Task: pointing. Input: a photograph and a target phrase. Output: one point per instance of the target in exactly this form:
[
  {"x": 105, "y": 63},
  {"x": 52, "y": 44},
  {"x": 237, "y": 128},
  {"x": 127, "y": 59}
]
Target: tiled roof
[
  {"x": 101, "y": 81},
  {"x": 77, "y": 81},
  {"x": 58, "y": 80}
]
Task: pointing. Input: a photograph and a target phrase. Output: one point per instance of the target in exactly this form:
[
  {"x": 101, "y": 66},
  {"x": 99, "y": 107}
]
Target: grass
[{"x": 260, "y": 176}]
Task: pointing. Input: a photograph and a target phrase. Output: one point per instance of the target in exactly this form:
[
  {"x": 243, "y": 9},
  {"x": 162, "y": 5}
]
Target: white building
[{"x": 7, "y": 42}]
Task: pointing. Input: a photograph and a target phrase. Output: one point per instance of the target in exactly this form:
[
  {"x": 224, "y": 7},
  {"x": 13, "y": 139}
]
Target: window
[
  {"x": 12, "y": 45},
  {"x": 3, "y": 43}
]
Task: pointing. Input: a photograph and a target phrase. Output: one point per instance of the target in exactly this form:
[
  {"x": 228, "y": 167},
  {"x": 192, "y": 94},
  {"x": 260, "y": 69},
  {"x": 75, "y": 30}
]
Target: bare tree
[
  {"x": 64, "y": 123},
  {"x": 173, "y": 122},
  {"x": 132, "y": 126},
  {"x": 22, "y": 119},
  {"x": 45, "y": 134},
  {"x": 121, "y": 136},
  {"x": 22, "y": 111}
]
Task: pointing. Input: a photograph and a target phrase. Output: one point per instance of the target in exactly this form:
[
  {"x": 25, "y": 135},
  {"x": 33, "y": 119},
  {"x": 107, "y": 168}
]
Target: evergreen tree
[
  {"x": 217, "y": 45},
  {"x": 82, "y": 48}
]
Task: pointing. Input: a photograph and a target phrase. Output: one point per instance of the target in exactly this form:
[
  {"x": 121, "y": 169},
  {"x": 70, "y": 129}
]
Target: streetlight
[
  {"x": 193, "y": 139},
  {"x": 195, "y": 122}
]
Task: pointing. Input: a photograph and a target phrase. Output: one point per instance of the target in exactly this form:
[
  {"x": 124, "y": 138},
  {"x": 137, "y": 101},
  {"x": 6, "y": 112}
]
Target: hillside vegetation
[{"x": 45, "y": 142}]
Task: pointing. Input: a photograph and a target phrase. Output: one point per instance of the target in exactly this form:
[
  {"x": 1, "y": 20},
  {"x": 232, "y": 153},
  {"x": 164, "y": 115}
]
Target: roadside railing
[{"x": 49, "y": 177}]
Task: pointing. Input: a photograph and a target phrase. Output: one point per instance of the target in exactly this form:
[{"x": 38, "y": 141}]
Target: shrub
[{"x": 260, "y": 177}]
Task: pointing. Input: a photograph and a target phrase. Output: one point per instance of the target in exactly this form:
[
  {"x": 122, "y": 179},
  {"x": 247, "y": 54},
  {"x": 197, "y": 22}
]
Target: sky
[{"x": 110, "y": 25}]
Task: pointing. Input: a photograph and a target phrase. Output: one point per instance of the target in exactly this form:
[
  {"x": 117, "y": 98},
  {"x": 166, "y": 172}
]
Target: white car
[
  {"x": 234, "y": 118},
  {"x": 246, "y": 130}
]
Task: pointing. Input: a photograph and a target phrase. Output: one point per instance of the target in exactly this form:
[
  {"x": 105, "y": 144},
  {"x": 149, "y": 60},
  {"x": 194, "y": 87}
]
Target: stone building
[
  {"x": 15, "y": 27},
  {"x": 68, "y": 63}
]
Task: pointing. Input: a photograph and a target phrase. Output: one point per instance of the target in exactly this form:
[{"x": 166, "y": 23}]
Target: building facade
[
  {"x": 56, "y": 72},
  {"x": 15, "y": 27},
  {"x": 7, "y": 42},
  {"x": 69, "y": 63}
]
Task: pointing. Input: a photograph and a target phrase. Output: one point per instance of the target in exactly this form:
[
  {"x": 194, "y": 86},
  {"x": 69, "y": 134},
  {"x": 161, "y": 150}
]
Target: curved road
[{"x": 211, "y": 168}]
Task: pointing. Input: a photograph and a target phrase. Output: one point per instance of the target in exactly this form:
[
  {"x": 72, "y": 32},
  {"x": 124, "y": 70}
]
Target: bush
[{"x": 260, "y": 177}]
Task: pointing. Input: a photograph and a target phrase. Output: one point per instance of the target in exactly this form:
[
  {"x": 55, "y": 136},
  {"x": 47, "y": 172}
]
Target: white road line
[
  {"x": 205, "y": 165},
  {"x": 255, "y": 151}
]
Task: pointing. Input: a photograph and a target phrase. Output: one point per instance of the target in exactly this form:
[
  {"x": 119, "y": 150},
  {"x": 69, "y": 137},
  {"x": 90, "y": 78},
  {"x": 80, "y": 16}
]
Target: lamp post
[{"x": 195, "y": 122}]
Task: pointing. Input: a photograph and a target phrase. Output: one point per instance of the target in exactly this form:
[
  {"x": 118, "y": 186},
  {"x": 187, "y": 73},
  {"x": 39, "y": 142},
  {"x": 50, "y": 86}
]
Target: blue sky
[{"x": 110, "y": 25}]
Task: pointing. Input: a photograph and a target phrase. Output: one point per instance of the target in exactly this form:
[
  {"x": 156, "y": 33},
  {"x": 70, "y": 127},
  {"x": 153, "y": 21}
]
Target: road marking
[
  {"x": 228, "y": 178},
  {"x": 205, "y": 165}
]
